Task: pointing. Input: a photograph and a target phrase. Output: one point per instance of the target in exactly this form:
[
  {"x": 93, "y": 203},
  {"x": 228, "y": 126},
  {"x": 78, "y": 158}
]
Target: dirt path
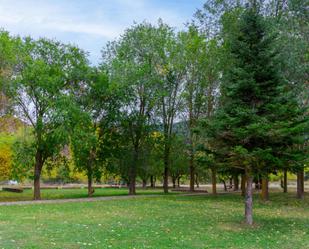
[{"x": 93, "y": 199}]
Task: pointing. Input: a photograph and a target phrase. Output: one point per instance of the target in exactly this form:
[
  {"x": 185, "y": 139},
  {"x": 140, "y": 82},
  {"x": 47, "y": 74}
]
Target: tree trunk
[
  {"x": 166, "y": 169},
  {"x": 174, "y": 181},
  {"x": 197, "y": 181},
  {"x": 236, "y": 182},
  {"x": 178, "y": 182},
  {"x": 224, "y": 184},
  {"x": 192, "y": 173},
  {"x": 265, "y": 192},
  {"x": 300, "y": 184},
  {"x": 144, "y": 183},
  {"x": 132, "y": 174},
  {"x": 37, "y": 175},
  {"x": 214, "y": 181},
  {"x": 231, "y": 183},
  {"x": 243, "y": 184},
  {"x": 248, "y": 200},
  {"x": 90, "y": 188},
  {"x": 285, "y": 181},
  {"x": 152, "y": 183}
]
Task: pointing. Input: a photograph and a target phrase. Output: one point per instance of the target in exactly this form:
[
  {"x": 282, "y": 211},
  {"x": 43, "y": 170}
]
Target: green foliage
[{"x": 259, "y": 116}]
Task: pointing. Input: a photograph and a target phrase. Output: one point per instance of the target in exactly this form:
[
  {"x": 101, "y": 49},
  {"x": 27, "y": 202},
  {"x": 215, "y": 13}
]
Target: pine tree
[{"x": 259, "y": 119}]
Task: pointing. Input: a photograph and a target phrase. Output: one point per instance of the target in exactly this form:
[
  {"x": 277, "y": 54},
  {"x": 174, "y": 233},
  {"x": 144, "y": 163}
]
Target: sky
[{"x": 89, "y": 24}]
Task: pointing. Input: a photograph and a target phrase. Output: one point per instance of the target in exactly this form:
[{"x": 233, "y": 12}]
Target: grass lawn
[
  {"x": 158, "y": 222},
  {"x": 48, "y": 194}
]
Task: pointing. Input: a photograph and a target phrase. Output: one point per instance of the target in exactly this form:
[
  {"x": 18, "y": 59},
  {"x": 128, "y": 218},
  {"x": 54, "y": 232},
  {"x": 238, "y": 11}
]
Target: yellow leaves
[{"x": 5, "y": 163}]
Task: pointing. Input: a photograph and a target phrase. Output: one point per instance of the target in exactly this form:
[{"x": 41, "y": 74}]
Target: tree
[
  {"x": 200, "y": 58},
  {"x": 131, "y": 63},
  {"x": 171, "y": 70},
  {"x": 259, "y": 116},
  {"x": 47, "y": 69},
  {"x": 8, "y": 60},
  {"x": 5, "y": 163}
]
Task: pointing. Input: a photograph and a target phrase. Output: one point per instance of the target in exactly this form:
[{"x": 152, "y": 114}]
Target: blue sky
[{"x": 89, "y": 23}]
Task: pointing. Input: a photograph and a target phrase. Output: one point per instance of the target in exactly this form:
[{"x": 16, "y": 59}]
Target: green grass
[
  {"x": 49, "y": 194},
  {"x": 158, "y": 222}
]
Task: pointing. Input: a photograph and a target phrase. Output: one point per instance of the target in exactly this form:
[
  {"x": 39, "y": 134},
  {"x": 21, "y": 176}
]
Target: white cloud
[{"x": 88, "y": 23}]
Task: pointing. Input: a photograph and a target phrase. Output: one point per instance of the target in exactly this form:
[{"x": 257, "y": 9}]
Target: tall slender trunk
[
  {"x": 265, "y": 192},
  {"x": 144, "y": 183},
  {"x": 248, "y": 200},
  {"x": 214, "y": 181},
  {"x": 285, "y": 181},
  {"x": 224, "y": 185},
  {"x": 243, "y": 184},
  {"x": 152, "y": 181},
  {"x": 37, "y": 175},
  {"x": 166, "y": 168},
  {"x": 197, "y": 181},
  {"x": 192, "y": 171},
  {"x": 236, "y": 182},
  {"x": 300, "y": 184},
  {"x": 90, "y": 188},
  {"x": 178, "y": 182},
  {"x": 132, "y": 173},
  {"x": 174, "y": 181}
]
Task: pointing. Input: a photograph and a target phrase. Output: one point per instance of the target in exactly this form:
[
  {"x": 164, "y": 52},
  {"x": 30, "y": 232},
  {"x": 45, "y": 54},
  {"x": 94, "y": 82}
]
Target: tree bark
[
  {"x": 178, "y": 182},
  {"x": 285, "y": 181},
  {"x": 265, "y": 192},
  {"x": 37, "y": 175},
  {"x": 236, "y": 182},
  {"x": 152, "y": 182},
  {"x": 197, "y": 181},
  {"x": 300, "y": 184},
  {"x": 248, "y": 200},
  {"x": 224, "y": 184},
  {"x": 132, "y": 174},
  {"x": 90, "y": 188},
  {"x": 166, "y": 169},
  {"x": 174, "y": 181},
  {"x": 214, "y": 181},
  {"x": 192, "y": 172},
  {"x": 243, "y": 184},
  {"x": 144, "y": 183}
]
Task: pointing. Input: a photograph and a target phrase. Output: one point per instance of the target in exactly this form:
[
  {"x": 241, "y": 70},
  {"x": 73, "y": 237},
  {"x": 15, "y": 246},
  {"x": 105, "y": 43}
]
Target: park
[{"x": 175, "y": 125}]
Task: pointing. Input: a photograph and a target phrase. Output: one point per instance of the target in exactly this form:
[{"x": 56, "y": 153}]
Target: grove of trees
[{"x": 227, "y": 94}]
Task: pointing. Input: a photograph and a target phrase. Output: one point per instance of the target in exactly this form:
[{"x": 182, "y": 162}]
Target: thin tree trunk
[
  {"x": 192, "y": 173},
  {"x": 178, "y": 182},
  {"x": 265, "y": 192},
  {"x": 132, "y": 174},
  {"x": 144, "y": 183},
  {"x": 174, "y": 181},
  {"x": 197, "y": 181},
  {"x": 236, "y": 183},
  {"x": 152, "y": 184},
  {"x": 166, "y": 169},
  {"x": 231, "y": 183},
  {"x": 300, "y": 184},
  {"x": 224, "y": 184},
  {"x": 214, "y": 181},
  {"x": 37, "y": 175},
  {"x": 243, "y": 184},
  {"x": 285, "y": 181},
  {"x": 248, "y": 200},
  {"x": 90, "y": 188}
]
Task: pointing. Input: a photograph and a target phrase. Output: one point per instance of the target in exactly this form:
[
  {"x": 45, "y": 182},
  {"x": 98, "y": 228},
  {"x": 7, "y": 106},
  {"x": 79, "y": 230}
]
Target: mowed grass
[
  {"x": 48, "y": 194},
  {"x": 158, "y": 222}
]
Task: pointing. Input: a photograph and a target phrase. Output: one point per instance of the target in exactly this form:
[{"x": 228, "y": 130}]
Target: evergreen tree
[{"x": 259, "y": 119}]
